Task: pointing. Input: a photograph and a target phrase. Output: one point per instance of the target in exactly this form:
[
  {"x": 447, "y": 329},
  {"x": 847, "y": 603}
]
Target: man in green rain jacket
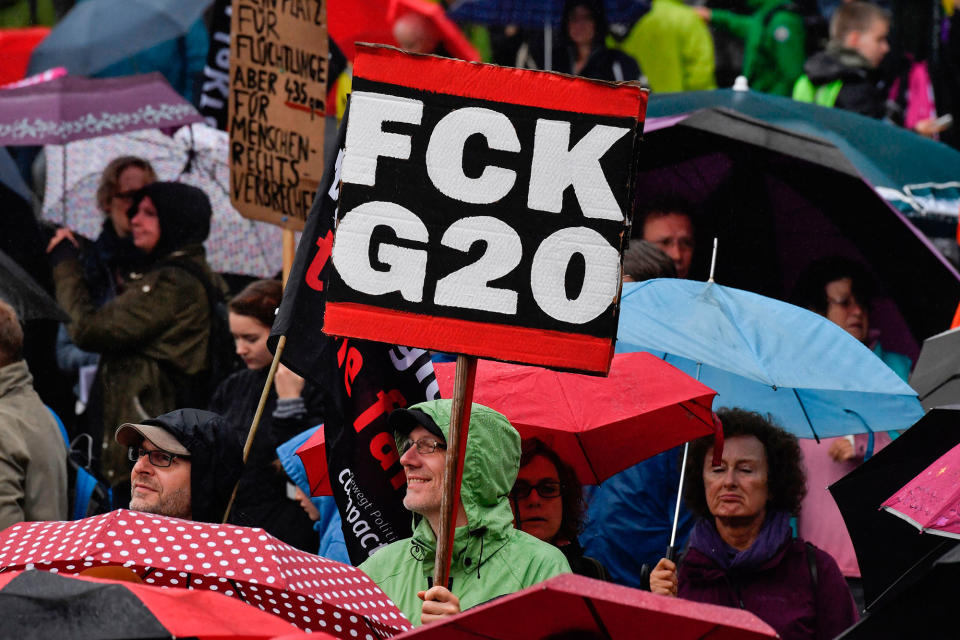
[
  {"x": 490, "y": 557},
  {"x": 773, "y": 42}
]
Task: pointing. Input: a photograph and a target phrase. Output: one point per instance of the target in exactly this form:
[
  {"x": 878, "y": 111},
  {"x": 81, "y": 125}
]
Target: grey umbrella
[
  {"x": 97, "y": 33},
  {"x": 23, "y": 293},
  {"x": 936, "y": 378}
]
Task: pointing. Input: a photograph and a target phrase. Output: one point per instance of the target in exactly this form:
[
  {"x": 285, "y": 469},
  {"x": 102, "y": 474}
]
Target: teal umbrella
[{"x": 916, "y": 175}]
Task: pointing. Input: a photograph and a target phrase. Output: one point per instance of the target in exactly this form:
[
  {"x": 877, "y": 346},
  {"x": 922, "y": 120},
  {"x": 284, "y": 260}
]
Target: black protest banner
[
  {"x": 483, "y": 210},
  {"x": 364, "y": 382},
  {"x": 278, "y": 85},
  {"x": 215, "y": 87}
]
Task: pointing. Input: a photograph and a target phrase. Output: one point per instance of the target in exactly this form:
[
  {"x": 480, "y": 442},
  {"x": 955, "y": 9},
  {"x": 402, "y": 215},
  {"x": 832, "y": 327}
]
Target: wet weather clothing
[
  {"x": 153, "y": 336},
  {"x": 332, "y": 543},
  {"x": 630, "y": 517},
  {"x": 490, "y": 557},
  {"x": 773, "y": 579},
  {"x": 216, "y": 458},
  {"x": 674, "y": 48},
  {"x": 844, "y": 79},
  {"x": 33, "y": 456},
  {"x": 773, "y": 43}
]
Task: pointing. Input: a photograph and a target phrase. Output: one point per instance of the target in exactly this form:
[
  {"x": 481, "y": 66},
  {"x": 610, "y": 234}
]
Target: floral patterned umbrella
[
  {"x": 196, "y": 155},
  {"x": 309, "y": 591}
]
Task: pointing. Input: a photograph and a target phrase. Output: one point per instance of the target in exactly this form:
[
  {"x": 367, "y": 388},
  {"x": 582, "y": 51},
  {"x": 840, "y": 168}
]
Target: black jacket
[
  {"x": 262, "y": 499},
  {"x": 864, "y": 91},
  {"x": 215, "y": 458}
]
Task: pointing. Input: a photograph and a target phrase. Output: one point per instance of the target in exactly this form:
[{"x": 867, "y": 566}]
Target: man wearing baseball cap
[
  {"x": 186, "y": 464},
  {"x": 490, "y": 557}
]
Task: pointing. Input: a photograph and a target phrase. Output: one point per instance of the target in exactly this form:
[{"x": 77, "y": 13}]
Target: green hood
[{"x": 491, "y": 463}]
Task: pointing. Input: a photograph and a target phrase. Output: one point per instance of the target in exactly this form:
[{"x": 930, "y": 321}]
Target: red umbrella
[
  {"x": 79, "y": 606},
  {"x": 582, "y": 607},
  {"x": 350, "y": 21},
  {"x": 598, "y": 425},
  {"x": 309, "y": 591}
]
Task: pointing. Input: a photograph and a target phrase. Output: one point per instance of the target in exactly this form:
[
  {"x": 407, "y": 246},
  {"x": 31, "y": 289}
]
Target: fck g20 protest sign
[{"x": 483, "y": 210}]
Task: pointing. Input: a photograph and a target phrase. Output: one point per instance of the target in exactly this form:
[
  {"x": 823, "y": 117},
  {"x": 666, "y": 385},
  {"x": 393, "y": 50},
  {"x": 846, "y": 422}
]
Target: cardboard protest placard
[
  {"x": 483, "y": 210},
  {"x": 278, "y": 85}
]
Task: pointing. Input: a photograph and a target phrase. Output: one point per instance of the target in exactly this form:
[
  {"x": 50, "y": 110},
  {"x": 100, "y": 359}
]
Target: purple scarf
[{"x": 773, "y": 534}]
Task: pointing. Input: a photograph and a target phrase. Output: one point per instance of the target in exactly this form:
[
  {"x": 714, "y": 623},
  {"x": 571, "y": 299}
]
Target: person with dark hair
[
  {"x": 742, "y": 552},
  {"x": 547, "y": 501},
  {"x": 841, "y": 290},
  {"x": 33, "y": 457},
  {"x": 292, "y": 406},
  {"x": 186, "y": 463},
  {"x": 153, "y": 336},
  {"x": 669, "y": 226},
  {"x": 582, "y": 47},
  {"x": 644, "y": 260}
]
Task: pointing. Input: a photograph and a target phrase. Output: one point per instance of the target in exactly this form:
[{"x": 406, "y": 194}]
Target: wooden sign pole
[
  {"x": 453, "y": 465},
  {"x": 289, "y": 250}
]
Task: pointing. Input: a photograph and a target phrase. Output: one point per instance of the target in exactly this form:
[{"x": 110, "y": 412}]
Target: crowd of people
[{"x": 757, "y": 530}]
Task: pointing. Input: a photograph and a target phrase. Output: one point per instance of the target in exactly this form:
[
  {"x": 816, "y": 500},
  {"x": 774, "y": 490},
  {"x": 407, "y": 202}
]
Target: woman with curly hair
[
  {"x": 547, "y": 501},
  {"x": 742, "y": 552}
]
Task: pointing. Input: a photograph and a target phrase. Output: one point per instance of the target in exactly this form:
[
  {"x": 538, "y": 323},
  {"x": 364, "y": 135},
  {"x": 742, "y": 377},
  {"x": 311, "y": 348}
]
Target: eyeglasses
[
  {"x": 545, "y": 489},
  {"x": 425, "y": 446},
  {"x": 157, "y": 457},
  {"x": 846, "y": 303}
]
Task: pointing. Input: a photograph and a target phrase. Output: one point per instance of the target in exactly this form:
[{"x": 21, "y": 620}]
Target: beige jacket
[{"x": 33, "y": 455}]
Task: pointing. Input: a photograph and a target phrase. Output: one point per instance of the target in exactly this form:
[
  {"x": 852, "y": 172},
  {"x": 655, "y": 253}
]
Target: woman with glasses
[
  {"x": 547, "y": 502},
  {"x": 842, "y": 291}
]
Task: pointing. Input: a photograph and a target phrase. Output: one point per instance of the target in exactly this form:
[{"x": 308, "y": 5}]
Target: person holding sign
[{"x": 490, "y": 557}]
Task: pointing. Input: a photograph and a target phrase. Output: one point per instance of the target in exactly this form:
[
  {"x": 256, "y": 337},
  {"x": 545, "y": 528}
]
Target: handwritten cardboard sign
[
  {"x": 278, "y": 84},
  {"x": 483, "y": 210}
]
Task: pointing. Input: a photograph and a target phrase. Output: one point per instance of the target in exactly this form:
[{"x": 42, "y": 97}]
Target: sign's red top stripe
[{"x": 499, "y": 84}]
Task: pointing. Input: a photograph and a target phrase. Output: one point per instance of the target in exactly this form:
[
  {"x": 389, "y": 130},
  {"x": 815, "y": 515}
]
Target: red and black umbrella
[
  {"x": 310, "y": 592},
  {"x": 42, "y": 605}
]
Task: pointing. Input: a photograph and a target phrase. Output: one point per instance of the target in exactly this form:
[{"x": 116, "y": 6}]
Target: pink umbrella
[
  {"x": 73, "y": 108},
  {"x": 931, "y": 501},
  {"x": 311, "y": 592}
]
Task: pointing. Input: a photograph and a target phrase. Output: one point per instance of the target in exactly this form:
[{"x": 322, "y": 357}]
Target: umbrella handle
[{"x": 672, "y": 553}]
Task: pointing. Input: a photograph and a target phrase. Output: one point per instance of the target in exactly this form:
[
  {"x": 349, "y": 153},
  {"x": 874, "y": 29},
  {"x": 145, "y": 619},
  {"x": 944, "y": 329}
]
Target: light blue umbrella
[
  {"x": 768, "y": 356},
  {"x": 764, "y": 355}
]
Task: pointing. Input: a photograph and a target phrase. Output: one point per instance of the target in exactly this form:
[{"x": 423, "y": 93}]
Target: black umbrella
[
  {"x": 889, "y": 550},
  {"x": 778, "y": 200},
  {"x": 40, "y": 605},
  {"x": 23, "y": 293},
  {"x": 926, "y": 610},
  {"x": 936, "y": 377}
]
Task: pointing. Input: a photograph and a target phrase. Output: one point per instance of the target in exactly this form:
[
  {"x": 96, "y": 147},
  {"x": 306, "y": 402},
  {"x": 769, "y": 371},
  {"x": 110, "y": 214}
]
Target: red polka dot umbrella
[{"x": 308, "y": 591}]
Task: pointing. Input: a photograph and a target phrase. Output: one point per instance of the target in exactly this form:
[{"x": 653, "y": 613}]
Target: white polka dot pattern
[{"x": 309, "y": 591}]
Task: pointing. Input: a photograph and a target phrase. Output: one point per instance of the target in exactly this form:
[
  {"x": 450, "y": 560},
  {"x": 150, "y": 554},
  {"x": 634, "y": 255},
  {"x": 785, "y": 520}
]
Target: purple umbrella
[{"x": 73, "y": 108}]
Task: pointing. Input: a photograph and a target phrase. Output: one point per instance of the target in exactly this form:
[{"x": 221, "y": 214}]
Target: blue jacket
[
  {"x": 630, "y": 516},
  {"x": 332, "y": 544}
]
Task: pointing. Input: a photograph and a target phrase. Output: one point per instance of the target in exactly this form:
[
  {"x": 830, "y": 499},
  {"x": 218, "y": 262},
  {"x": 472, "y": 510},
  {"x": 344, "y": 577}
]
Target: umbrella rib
[
  {"x": 806, "y": 417},
  {"x": 602, "y": 628},
  {"x": 587, "y": 458}
]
